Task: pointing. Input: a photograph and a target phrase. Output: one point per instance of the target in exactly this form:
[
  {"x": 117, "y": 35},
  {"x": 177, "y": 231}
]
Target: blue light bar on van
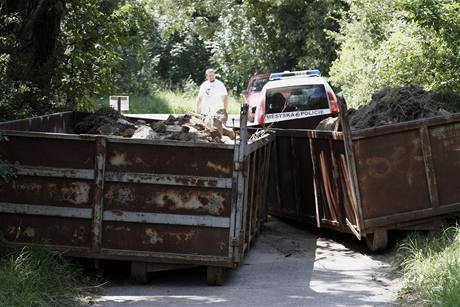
[{"x": 289, "y": 74}]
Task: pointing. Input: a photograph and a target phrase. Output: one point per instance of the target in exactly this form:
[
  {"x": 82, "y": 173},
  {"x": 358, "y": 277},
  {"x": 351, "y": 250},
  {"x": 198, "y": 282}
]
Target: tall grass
[
  {"x": 38, "y": 277},
  {"x": 165, "y": 101},
  {"x": 431, "y": 267}
]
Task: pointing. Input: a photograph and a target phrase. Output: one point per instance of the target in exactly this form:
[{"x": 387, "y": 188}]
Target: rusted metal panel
[
  {"x": 139, "y": 200},
  {"x": 49, "y": 152},
  {"x": 56, "y": 123},
  {"x": 165, "y": 238},
  {"x": 42, "y": 171},
  {"x": 429, "y": 167},
  {"x": 167, "y": 179},
  {"x": 45, "y": 229},
  {"x": 98, "y": 199},
  {"x": 445, "y": 148},
  {"x": 41, "y": 209},
  {"x": 391, "y": 166},
  {"x": 166, "y": 219},
  {"x": 167, "y": 199},
  {"x": 49, "y": 191},
  {"x": 156, "y": 159}
]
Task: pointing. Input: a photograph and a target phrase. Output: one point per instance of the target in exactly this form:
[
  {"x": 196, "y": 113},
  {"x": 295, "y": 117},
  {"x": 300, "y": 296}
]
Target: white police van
[{"x": 292, "y": 95}]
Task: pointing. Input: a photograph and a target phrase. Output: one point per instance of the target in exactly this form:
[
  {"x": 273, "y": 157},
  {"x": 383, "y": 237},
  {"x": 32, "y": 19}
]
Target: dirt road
[{"x": 289, "y": 266}]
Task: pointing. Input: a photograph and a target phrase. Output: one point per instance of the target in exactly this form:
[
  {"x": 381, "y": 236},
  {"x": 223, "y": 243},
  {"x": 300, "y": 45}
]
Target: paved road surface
[{"x": 290, "y": 265}]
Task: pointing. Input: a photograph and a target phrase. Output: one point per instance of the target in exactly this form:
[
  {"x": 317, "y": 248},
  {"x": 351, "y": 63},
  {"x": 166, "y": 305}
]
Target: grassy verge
[
  {"x": 38, "y": 277},
  {"x": 431, "y": 267},
  {"x": 165, "y": 101}
]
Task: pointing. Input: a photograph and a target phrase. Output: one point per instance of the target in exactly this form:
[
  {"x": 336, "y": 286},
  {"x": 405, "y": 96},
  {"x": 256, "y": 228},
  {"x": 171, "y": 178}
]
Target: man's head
[{"x": 210, "y": 75}]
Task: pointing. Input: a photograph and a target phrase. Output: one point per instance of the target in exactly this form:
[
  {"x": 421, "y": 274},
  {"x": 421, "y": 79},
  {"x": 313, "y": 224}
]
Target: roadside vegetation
[
  {"x": 431, "y": 268},
  {"x": 165, "y": 101},
  {"x": 39, "y": 277},
  {"x": 72, "y": 54}
]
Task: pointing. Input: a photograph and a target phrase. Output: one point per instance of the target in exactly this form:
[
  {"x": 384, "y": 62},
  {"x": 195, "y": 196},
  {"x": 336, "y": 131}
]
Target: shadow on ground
[{"x": 290, "y": 265}]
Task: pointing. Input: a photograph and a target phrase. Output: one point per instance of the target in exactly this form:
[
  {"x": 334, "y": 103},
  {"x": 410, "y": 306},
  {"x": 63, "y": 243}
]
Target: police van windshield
[
  {"x": 257, "y": 84},
  {"x": 296, "y": 98}
]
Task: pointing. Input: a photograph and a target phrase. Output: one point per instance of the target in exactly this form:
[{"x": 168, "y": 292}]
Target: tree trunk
[{"x": 34, "y": 58}]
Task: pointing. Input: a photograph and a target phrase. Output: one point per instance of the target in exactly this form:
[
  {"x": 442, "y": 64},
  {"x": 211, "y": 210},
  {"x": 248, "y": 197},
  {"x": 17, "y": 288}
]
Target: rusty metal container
[
  {"x": 369, "y": 181},
  {"x": 160, "y": 204}
]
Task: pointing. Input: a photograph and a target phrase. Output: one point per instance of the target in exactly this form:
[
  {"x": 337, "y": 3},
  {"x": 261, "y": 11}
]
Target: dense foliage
[
  {"x": 57, "y": 55},
  {"x": 395, "y": 43}
]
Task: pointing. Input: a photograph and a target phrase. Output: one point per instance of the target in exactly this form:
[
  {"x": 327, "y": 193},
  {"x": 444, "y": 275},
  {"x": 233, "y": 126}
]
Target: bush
[{"x": 431, "y": 267}]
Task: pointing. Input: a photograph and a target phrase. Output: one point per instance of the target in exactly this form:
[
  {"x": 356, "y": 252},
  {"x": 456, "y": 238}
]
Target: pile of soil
[
  {"x": 402, "y": 104},
  {"x": 105, "y": 121},
  {"x": 189, "y": 127}
]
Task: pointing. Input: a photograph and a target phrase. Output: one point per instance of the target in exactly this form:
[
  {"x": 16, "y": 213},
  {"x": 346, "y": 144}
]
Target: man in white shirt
[{"x": 213, "y": 97}]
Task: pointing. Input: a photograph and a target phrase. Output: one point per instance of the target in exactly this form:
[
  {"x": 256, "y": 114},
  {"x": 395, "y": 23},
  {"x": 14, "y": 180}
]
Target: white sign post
[{"x": 119, "y": 103}]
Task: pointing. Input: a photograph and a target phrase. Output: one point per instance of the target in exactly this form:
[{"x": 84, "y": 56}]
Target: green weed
[
  {"x": 431, "y": 267},
  {"x": 39, "y": 277}
]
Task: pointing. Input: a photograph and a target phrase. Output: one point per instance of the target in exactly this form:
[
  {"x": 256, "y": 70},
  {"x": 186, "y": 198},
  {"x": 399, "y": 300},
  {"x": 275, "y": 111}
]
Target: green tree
[
  {"x": 29, "y": 32},
  {"x": 395, "y": 43},
  {"x": 97, "y": 37}
]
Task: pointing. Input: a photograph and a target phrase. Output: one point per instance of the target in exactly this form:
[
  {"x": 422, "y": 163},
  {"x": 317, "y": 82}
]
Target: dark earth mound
[
  {"x": 402, "y": 104},
  {"x": 106, "y": 121}
]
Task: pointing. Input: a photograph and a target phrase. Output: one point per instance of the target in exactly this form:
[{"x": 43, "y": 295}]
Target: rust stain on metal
[
  {"x": 79, "y": 235},
  {"x": 152, "y": 237},
  {"x": 211, "y": 202},
  {"x": 76, "y": 193},
  {"x": 122, "y": 194},
  {"x": 29, "y": 232},
  {"x": 449, "y": 135},
  {"x": 223, "y": 245},
  {"x": 183, "y": 236},
  {"x": 120, "y": 159},
  {"x": 379, "y": 167},
  {"x": 118, "y": 228},
  {"x": 219, "y": 168},
  {"x": 29, "y": 187}
]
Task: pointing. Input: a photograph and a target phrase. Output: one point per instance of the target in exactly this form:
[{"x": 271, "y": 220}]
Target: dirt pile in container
[
  {"x": 105, "y": 121},
  {"x": 189, "y": 127},
  {"x": 402, "y": 104}
]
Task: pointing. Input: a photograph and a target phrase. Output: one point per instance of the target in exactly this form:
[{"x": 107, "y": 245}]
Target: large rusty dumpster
[
  {"x": 160, "y": 204},
  {"x": 369, "y": 181}
]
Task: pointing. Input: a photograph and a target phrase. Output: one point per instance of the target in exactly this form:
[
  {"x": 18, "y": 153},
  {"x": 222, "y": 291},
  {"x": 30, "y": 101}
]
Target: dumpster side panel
[
  {"x": 50, "y": 199},
  {"x": 445, "y": 144},
  {"x": 165, "y": 238},
  {"x": 167, "y": 199},
  {"x": 107, "y": 197},
  {"x": 56, "y": 123},
  {"x": 391, "y": 174},
  {"x": 194, "y": 161},
  {"x": 49, "y": 191},
  {"x": 46, "y": 230},
  {"x": 49, "y": 152}
]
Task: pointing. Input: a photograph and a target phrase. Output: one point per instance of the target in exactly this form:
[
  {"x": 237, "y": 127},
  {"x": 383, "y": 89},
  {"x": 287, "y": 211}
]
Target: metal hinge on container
[{"x": 235, "y": 242}]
